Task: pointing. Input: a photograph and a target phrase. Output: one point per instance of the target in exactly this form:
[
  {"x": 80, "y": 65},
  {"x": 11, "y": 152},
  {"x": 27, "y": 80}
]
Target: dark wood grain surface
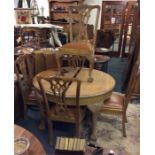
[{"x": 36, "y": 148}]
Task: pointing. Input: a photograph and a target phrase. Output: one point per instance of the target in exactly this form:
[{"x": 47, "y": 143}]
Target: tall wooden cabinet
[
  {"x": 111, "y": 17},
  {"x": 117, "y": 16}
]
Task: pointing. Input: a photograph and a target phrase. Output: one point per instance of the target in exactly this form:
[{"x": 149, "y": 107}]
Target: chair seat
[
  {"x": 82, "y": 47},
  {"x": 114, "y": 102},
  {"x": 63, "y": 117}
]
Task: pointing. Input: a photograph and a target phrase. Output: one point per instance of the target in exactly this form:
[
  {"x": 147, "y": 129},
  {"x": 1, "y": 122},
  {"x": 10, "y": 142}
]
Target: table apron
[{"x": 85, "y": 101}]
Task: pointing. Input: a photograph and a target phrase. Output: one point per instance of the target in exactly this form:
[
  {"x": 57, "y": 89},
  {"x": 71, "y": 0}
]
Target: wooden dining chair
[
  {"x": 79, "y": 42},
  {"x": 60, "y": 110},
  {"x": 117, "y": 103},
  {"x": 24, "y": 69}
]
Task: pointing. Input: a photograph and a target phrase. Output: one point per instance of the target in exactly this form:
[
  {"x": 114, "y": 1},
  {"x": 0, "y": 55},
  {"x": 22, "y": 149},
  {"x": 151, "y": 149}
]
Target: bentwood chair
[
  {"x": 24, "y": 69},
  {"x": 59, "y": 110},
  {"x": 117, "y": 103},
  {"x": 80, "y": 44}
]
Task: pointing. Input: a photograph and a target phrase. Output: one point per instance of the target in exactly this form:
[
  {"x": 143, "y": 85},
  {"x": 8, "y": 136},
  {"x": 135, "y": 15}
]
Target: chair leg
[
  {"x": 42, "y": 112},
  {"x": 58, "y": 63},
  {"x": 123, "y": 124},
  {"x": 78, "y": 130},
  {"x": 25, "y": 111},
  {"x": 42, "y": 115},
  {"x": 125, "y": 119},
  {"x": 91, "y": 64},
  {"x": 94, "y": 118},
  {"x": 50, "y": 132}
]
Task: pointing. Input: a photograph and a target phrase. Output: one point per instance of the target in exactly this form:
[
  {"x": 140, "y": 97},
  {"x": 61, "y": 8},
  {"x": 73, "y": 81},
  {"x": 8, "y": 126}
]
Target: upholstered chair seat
[{"x": 114, "y": 102}]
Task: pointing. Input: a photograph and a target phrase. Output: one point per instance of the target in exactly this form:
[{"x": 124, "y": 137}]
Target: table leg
[
  {"x": 93, "y": 134},
  {"x": 95, "y": 108}
]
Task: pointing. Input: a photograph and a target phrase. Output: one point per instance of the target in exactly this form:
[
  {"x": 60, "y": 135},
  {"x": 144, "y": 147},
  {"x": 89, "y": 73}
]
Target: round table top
[
  {"x": 36, "y": 147},
  {"x": 90, "y": 92}
]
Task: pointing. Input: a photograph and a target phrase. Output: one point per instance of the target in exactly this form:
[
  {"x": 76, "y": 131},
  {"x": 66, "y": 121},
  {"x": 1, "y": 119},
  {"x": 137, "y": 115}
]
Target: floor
[{"x": 115, "y": 68}]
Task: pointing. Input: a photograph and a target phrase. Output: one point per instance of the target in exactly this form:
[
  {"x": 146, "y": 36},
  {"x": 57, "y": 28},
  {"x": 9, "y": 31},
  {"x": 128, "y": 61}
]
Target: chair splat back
[
  {"x": 59, "y": 86},
  {"x": 78, "y": 26},
  {"x": 74, "y": 61}
]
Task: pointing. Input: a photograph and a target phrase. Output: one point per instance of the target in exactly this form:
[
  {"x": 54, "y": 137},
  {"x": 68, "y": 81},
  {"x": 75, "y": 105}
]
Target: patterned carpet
[{"x": 109, "y": 132}]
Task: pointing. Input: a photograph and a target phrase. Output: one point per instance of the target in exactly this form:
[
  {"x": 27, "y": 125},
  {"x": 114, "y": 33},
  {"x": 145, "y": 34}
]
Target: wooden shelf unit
[
  {"x": 58, "y": 10},
  {"x": 117, "y": 16},
  {"x": 112, "y": 15}
]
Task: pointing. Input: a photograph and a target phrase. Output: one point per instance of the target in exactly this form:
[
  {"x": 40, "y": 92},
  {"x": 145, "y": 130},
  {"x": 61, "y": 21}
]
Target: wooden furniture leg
[
  {"x": 42, "y": 111},
  {"x": 95, "y": 111},
  {"x": 123, "y": 124},
  {"x": 93, "y": 134}
]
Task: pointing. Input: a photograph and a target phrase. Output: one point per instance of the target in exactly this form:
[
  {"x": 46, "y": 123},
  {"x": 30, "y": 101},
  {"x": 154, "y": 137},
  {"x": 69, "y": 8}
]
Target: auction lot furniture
[
  {"x": 60, "y": 111},
  {"x": 80, "y": 44},
  {"x": 117, "y": 103},
  {"x": 91, "y": 94}
]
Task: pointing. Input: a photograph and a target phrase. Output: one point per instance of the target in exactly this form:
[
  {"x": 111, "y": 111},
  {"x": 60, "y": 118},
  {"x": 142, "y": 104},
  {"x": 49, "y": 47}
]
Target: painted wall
[{"x": 44, "y": 4}]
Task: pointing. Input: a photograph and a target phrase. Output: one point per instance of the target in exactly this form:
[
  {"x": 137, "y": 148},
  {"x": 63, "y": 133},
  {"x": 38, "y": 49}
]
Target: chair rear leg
[
  {"x": 77, "y": 130},
  {"x": 25, "y": 111},
  {"x": 50, "y": 132},
  {"x": 42, "y": 111},
  {"x": 91, "y": 64},
  {"x": 126, "y": 119},
  {"x": 123, "y": 125},
  {"x": 42, "y": 114}
]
